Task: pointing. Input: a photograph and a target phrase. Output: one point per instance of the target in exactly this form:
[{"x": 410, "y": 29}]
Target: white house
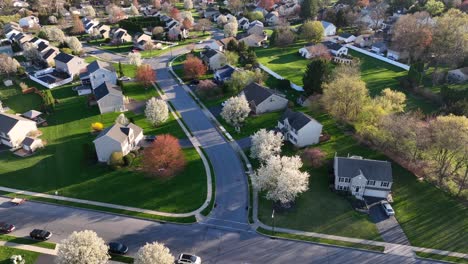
[
  {"x": 329, "y": 28},
  {"x": 243, "y": 23},
  {"x": 29, "y": 22},
  {"x": 255, "y": 27},
  {"x": 272, "y": 18},
  {"x": 394, "y": 54},
  {"x": 117, "y": 138},
  {"x": 224, "y": 73},
  {"x": 335, "y": 48},
  {"x": 97, "y": 73},
  {"x": 214, "y": 59},
  {"x": 214, "y": 45},
  {"x": 14, "y": 129},
  {"x": 69, "y": 64},
  {"x": 262, "y": 99},
  {"x": 312, "y": 50},
  {"x": 363, "y": 177},
  {"x": 346, "y": 37},
  {"x": 299, "y": 128},
  {"x": 109, "y": 98},
  {"x": 379, "y": 47}
]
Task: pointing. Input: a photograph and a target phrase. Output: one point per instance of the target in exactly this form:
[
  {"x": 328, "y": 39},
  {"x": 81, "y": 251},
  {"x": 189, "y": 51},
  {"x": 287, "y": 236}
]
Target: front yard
[
  {"x": 67, "y": 163},
  {"x": 430, "y": 217},
  {"x": 7, "y": 252}
]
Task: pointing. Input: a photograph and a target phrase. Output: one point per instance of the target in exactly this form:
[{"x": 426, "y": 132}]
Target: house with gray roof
[
  {"x": 299, "y": 129},
  {"x": 363, "y": 177},
  {"x": 224, "y": 73},
  {"x": 69, "y": 64},
  {"x": 109, "y": 98},
  {"x": 262, "y": 99},
  {"x": 214, "y": 59},
  {"x": 97, "y": 73},
  {"x": 329, "y": 28},
  {"x": 14, "y": 129},
  {"x": 117, "y": 138}
]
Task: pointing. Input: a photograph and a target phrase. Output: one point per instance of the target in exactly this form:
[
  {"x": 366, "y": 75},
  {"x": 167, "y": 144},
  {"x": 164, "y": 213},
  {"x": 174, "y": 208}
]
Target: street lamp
[{"x": 273, "y": 218}]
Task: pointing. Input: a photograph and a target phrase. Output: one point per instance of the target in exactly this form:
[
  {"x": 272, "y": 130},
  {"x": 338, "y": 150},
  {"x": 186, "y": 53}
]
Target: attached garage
[{"x": 376, "y": 193}]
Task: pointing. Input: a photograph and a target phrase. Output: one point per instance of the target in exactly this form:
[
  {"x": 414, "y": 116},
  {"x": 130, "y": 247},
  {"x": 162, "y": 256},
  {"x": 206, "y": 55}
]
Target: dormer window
[
  {"x": 384, "y": 184},
  {"x": 371, "y": 182}
]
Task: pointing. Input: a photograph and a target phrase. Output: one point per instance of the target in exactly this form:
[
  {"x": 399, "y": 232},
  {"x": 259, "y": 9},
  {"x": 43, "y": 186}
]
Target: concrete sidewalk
[{"x": 29, "y": 248}]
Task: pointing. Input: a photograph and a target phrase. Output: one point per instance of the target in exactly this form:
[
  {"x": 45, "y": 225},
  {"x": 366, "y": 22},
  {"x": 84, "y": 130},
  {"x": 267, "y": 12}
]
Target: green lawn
[
  {"x": 6, "y": 252},
  {"x": 253, "y": 124},
  {"x": 430, "y": 217},
  {"x": 442, "y": 257},
  {"x": 137, "y": 92},
  {"x": 18, "y": 102},
  {"x": 27, "y": 241},
  {"x": 123, "y": 48},
  {"x": 64, "y": 164}
]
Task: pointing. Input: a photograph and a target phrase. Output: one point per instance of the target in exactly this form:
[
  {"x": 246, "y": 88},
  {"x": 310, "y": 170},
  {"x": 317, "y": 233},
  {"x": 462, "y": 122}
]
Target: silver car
[
  {"x": 387, "y": 208},
  {"x": 185, "y": 258}
]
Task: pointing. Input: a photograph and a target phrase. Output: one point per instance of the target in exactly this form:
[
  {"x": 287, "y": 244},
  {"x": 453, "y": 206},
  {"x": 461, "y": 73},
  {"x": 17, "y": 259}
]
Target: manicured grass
[
  {"x": 18, "y": 102},
  {"x": 128, "y": 69},
  {"x": 123, "y": 48},
  {"x": 208, "y": 209},
  {"x": 7, "y": 252},
  {"x": 120, "y": 258},
  {"x": 67, "y": 164},
  {"x": 379, "y": 75},
  {"x": 287, "y": 62},
  {"x": 137, "y": 91},
  {"x": 27, "y": 241},
  {"x": 441, "y": 257},
  {"x": 321, "y": 240},
  {"x": 253, "y": 124},
  {"x": 215, "y": 101}
]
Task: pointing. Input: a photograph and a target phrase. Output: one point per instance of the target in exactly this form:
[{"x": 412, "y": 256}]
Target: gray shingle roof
[
  {"x": 63, "y": 57},
  {"x": 297, "y": 120},
  {"x": 48, "y": 54},
  {"x": 332, "y": 45},
  {"x": 28, "y": 141},
  {"x": 31, "y": 114},
  {"x": 119, "y": 132},
  {"x": 105, "y": 89},
  {"x": 9, "y": 121},
  {"x": 377, "y": 170},
  {"x": 345, "y": 35},
  {"x": 256, "y": 93},
  {"x": 96, "y": 65}
]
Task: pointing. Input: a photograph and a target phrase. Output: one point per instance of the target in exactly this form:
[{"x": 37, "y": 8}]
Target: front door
[{"x": 357, "y": 190}]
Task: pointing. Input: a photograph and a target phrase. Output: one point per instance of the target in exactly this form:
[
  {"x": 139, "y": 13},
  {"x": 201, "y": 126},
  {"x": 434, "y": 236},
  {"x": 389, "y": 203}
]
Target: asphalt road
[{"x": 212, "y": 244}]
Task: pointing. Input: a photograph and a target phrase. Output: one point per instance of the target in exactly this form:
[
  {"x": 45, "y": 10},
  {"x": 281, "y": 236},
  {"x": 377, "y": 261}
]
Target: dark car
[
  {"x": 117, "y": 248},
  {"x": 40, "y": 234},
  {"x": 150, "y": 138},
  {"x": 6, "y": 228}
]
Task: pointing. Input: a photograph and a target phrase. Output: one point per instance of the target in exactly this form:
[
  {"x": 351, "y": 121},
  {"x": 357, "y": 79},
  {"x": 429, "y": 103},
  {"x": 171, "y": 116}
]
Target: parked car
[
  {"x": 223, "y": 103},
  {"x": 40, "y": 234},
  {"x": 150, "y": 138},
  {"x": 125, "y": 78},
  {"x": 117, "y": 248},
  {"x": 6, "y": 228},
  {"x": 387, "y": 208},
  {"x": 188, "y": 258}
]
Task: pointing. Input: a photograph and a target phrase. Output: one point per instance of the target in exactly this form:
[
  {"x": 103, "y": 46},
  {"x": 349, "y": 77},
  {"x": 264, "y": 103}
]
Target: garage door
[{"x": 375, "y": 193}]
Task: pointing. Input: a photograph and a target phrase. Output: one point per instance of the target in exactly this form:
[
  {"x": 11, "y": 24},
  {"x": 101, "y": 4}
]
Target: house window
[
  {"x": 384, "y": 184},
  {"x": 341, "y": 180},
  {"x": 347, "y": 180},
  {"x": 372, "y": 182},
  {"x": 345, "y": 188}
]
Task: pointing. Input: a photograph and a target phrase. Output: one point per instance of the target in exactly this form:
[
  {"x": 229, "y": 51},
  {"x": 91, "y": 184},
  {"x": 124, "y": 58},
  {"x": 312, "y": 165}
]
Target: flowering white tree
[
  {"x": 31, "y": 52},
  {"x": 8, "y": 65},
  {"x": 95, "y": 34},
  {"x": 54, "y": 34},
  {"x": 134, "y": 10},
  {"x": 82, "y": 247},
  {"x": 265, "y": 144},
  {"x": 188, "y": 4},
  {"x": 281, "y": 178},
  {"x": 221, "y": 20},
  {"x": 187, "y": 15},
  {"x": 89, "y": 11},
  {"x": 74, "y": 44},
  {"x": 122, "y": 119},
  {"x": 230, "y": 29},
  {"x": 156, "y": 111},
  {"x": 134, "y": 58},
  {"x": 154, "y": 253},
  {"x": 52, "y": 19},
  {"x": 236, "y": 110}
]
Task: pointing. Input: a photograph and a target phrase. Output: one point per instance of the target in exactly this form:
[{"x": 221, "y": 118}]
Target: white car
[
  {"x": 387, "y": 208},
  {"x": 185, "y": 258},
  {"x": 124, "y": 78}
]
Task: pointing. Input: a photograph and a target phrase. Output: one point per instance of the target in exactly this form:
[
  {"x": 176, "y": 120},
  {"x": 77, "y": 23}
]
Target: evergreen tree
[
  {"x": 309, "y": 9},
  {"x": 316, "y": 73},
  {"x": 120, "y": 70}
]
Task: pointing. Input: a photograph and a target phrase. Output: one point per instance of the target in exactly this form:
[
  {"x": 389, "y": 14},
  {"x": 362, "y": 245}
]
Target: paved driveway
[{"x": 388, "y": 227}]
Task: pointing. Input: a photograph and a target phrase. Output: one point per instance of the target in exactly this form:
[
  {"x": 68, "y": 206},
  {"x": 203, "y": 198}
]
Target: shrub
[
  {"x": 23, "y": 86},
  {"x": 129, "y": 158},
  {"x": 313, "y": 157},
  {"x": 97, "y": 126},
  {"x": 116, "y": 160},
  {"x": 66, "y": 50}
]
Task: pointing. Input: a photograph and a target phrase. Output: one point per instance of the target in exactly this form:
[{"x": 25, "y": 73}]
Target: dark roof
[
  {"x": 105, "y": 89},
  {"x": 34, "y": 39},
  {"x": 210, "y": 53},
  {"x": 270, "y": 15},
  {"x": 297, "y": 120},
  {"x": 42, "y": 46},
  {"x": 379, "y": 45},
  {"x": 257, "y": 93},
  {"x": 378, "y": 170},
  {"x": 28, "y": 141},
  {"x": 96, "y": 65},
  {"x": 332, "y": 45},
  {"x": 48, "y": 54},
  {"x": 120, "y": 34},
  {"x": 19, "y": 36},
  {"x": 8, "y": 121},
  {"x": 225, "y": 72},
  {"x": 63, "y": 57},
  {"x": 88, "y": 26},
  {"x": 345, "y": 35}
]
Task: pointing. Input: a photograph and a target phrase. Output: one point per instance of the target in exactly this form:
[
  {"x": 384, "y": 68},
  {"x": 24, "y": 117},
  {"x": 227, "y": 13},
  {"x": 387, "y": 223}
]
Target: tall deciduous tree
[
  {"x": 154, "y": 253},
  {"x": 240, "y": 79},
  {"x": 309, "y": 9},
  {"x": 54, "y": 34},
  {"x": 8, "y": 65},
  {"x": 283, "y": 35},
  {"x": 434, "y": 7},
  {"x": 232, "y": 58},
  {"x": 134, "y": 10},
  {"x": 74, "y": 44},
  {"x": 230, "y": 29},
  {"x": 145, "y": 75},
  {"x": 236, "y": 110},
  {"x": 317, "y": 72},
  {"x": 203, "y": 25},
  {"x": 30, "y": 51},
  {"x": 265, "y": 144},
  {"x": 163, "y": 158},
  {"x": 115, "y": 13},
  {"x": 188, "y": 4},
  {"x": 266, "y": 4},
  {"x": 89, "y": 10},
  {"x": 235, "y": 5},
  {"x": 156, "y": 111},
  {"x": 82, "y": 247},
  {"x": 281, "y": 179},
  {"x": 194, "y": 67},
  {"x": 312, "y": 31},
  {"x": 78, "y": 27}
]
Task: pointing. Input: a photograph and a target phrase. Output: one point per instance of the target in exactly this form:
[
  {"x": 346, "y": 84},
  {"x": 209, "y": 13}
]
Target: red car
[{"x": 6, "y": 228}]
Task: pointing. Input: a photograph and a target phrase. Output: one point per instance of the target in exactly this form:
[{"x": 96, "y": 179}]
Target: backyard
[
  {"x": 67, "y": 163},
  {"x": 429, "y": 216}
]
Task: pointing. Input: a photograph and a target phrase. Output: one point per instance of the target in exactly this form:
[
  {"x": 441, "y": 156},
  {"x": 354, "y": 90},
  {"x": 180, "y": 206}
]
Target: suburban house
[
  {"x": 458, "y": 75},
  {"x": 214, "y": 45},
  {"x": 329, "y": 28},
  {"x": 346, "y": 37},
  {"x": 299, "y": 128},
  {"x": 48, "y": 55},
  {"x": 262, "y": 99},
  {"x": 311, "y": 50},
  {"x": 224, "y": 73},
  {"x": 109, "y": 98},
  {"x": 89, "y": 24},
  {"x": 11, "y": 28},
  {"x": 178, "y": 33},
  {"x": 117, "y": 138},
  {"x": 214, "y": 59},
  {"x": 255, "y": 27},
  {"x": 140, "y": 40},
  {"x": 5, "y": 47},
  {"x": 254, "y": 40},
  {"x": 272, "y": 18},
  {"x": 379, "y": 47},
  {"x": 14, "y": 129},
  {"x": 363, "y": 177},
  {"x": 364, "y": 40},
  {"x": 29, "y": 22},
  {"x": 104, "y": 30},
  {"x": 225, "y": 41},
  {"x": 335, "y": 48},
  {"x": 69, "y": 64},
  {"x": 243, "y": 23},
  {"x": 97, "y": 73},
  {"x": 394, "y": 54},
  {"x": 210, "y": 13},
  {"x": 120, "y": 35},
  {"x": 31, "y": 144},
  {"x": 20, "y": 38}
]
